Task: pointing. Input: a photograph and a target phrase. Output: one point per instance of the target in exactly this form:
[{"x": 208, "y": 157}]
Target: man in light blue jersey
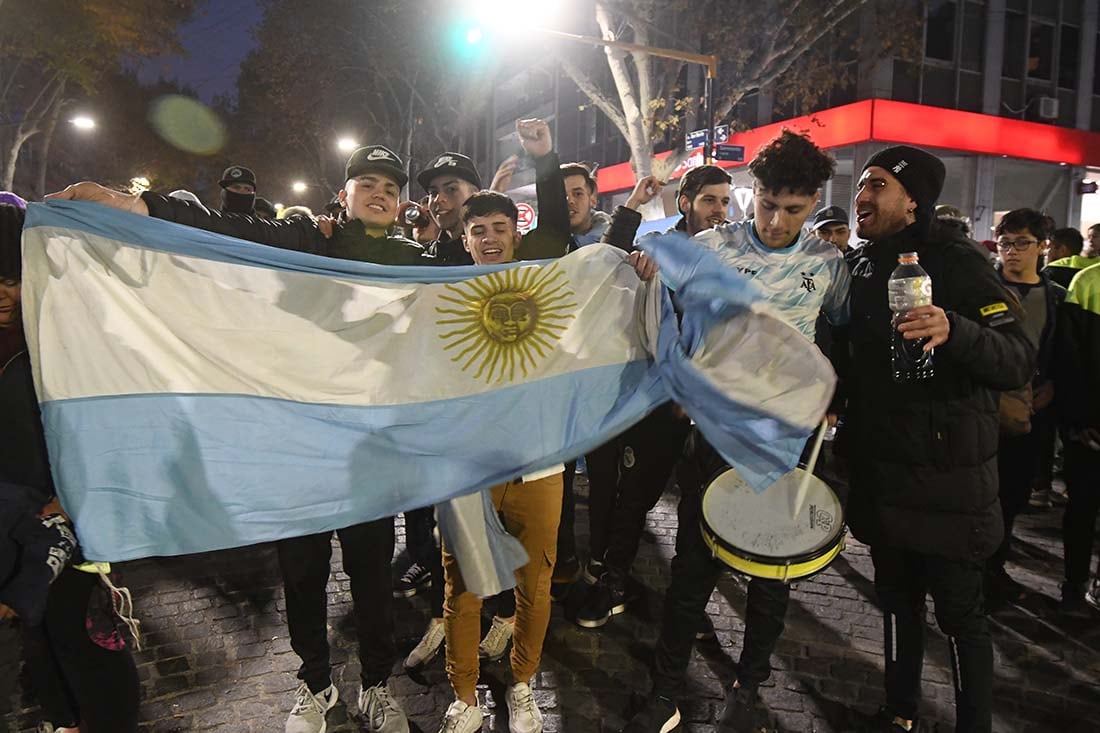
[{"x": 802, "y": 276}]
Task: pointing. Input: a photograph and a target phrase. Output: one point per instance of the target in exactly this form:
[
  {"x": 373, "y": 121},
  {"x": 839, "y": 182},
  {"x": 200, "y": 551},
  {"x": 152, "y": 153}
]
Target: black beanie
[{"x": 920, "y": 172}]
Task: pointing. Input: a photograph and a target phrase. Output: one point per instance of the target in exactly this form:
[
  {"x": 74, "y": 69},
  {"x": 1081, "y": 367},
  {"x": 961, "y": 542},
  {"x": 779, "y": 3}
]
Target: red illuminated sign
[{"x": 888, "y": 121}]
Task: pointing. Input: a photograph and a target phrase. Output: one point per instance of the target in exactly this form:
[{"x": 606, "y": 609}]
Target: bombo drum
[{"x": 761, "y": 535}]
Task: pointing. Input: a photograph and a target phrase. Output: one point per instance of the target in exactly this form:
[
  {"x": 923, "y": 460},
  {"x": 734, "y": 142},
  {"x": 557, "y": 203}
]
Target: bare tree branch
[{"x": 591, "y": 90}]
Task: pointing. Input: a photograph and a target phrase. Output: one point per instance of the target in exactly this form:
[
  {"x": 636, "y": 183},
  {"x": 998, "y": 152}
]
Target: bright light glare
[
  {"x": 298, "y": 187},
  {"x": 279, "y": 207},
  {"x": 346, "y": 144},
  {"x": 510, "y": 15},
  {"x": 473, "y": 35},
  {"x": 83, "y": 123}
]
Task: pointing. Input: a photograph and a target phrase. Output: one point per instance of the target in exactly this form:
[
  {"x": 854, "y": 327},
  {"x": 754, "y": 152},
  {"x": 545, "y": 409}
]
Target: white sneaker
[
  {"x": 1092, "y": 597},
  {"x": 308, "y": 713},
  {"x": 461, "y": 718},
  {"x": 524, "y": 715},
  {"x": 380, "y": 711},
  {"x": 495, "y": 644},
  {"x": 428, "y": 647}
]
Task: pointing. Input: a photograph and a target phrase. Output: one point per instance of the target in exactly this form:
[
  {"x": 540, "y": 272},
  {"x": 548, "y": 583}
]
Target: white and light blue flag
[{"x": 201, "y": 392}]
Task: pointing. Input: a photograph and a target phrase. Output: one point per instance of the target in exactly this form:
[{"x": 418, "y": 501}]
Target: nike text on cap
[
  {"x": 376, "y": 159},
  {"x": 453, "y": 164}
]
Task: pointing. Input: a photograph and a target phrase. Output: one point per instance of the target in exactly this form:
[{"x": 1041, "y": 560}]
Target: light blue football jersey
[{"x": 802, "y": 280}]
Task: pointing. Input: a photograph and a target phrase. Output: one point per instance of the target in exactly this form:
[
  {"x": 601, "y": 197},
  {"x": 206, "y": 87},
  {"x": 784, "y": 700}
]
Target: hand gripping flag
[{"x": 200, "y": 392}]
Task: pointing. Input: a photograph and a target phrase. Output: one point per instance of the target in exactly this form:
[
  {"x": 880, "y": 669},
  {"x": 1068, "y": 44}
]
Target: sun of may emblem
[{"x": 505, "y": 321}]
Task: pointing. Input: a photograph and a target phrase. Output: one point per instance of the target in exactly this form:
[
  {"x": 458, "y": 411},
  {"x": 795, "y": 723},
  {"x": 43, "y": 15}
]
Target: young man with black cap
[
  {"x": 924, "y": 475},
  {"x": 831, "y": 224},
  {"x": 374, "y": 177},
  {"x": 627, "y": 474},
  {"x": 238, "y": 190},
  {"x": 802, "y": 276},
  {"x": 451, "y": 178}
]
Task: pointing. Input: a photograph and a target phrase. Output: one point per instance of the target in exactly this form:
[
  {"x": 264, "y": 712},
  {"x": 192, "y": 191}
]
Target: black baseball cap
[
  {"x": 376, "y": 159},
  {"x": 237, "y": 174},
  {"x": 453, "y": 164},
  {"x": 830, "y": 215}
]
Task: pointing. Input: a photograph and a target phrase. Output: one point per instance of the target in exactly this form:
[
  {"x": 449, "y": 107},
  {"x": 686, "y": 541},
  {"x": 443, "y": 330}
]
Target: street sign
[
  {"x": 727, "y": 152},
  {"x": 698, "y": 138},
  {"x": 526, "y": 217}
]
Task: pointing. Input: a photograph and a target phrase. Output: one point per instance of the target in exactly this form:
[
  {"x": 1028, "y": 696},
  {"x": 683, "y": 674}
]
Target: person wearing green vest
[
  {"x": 1064, "y": 259},
  {"x": 1078, "y": 403}
]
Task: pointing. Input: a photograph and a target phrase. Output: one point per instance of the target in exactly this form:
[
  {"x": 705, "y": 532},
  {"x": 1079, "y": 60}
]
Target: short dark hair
[
  {"x": 1069, "y": 238},
  {"x": 11, "y": 235},
  {"x": 792, "y": 161},
  {"x": 697, "y": 178},
  {"x": 1094, "y": 226},
  {"x": 579, "y": 169},
  {"x": 484, "y": 203},
  {"x": 1017, "y": 220}
]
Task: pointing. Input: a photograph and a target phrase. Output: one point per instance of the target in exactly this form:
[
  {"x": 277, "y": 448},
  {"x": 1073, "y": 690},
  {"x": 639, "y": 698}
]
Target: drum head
[{"x": 760, "y": 526}]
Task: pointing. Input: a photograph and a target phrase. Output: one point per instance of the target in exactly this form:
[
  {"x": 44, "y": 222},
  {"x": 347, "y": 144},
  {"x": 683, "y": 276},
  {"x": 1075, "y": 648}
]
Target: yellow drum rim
[{"x": 777, "y": 570}]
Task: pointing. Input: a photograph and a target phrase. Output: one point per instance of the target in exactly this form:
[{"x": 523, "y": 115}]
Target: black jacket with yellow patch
[{"x": 923, "y": 455}]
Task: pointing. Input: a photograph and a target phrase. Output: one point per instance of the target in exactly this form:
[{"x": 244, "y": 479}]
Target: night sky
[{"x": 216, "y": 41}]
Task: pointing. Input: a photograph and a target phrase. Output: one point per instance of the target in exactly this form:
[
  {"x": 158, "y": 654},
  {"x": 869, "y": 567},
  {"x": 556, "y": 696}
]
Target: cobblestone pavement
[{"x": 217, "y": 656}]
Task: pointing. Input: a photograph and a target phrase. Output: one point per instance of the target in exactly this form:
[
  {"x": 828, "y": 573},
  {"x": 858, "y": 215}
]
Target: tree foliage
[
  {"x": 326, "y": 68},
  {"x": 52, "y": 50}
]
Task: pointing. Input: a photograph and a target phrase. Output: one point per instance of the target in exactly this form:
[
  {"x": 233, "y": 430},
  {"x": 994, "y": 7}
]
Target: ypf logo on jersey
[{"x": 445, "y": 160}]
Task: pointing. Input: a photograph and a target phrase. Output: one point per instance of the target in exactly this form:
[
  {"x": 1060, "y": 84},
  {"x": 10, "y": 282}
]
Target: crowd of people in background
[{"x": 934, "y": 473}]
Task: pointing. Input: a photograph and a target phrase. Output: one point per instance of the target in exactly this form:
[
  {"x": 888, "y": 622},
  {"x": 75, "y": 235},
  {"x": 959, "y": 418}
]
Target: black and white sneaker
[
  {"x": 605, "y": 599},
  {"x": 658, "y": 715},
  {"x": 593, "y": 571},
  {"x": 412, "y": 581},
  {"x": 739, "y": 715}
]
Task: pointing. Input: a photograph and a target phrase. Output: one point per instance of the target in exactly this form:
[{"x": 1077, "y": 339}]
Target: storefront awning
[{"x": 888, "y": 121}]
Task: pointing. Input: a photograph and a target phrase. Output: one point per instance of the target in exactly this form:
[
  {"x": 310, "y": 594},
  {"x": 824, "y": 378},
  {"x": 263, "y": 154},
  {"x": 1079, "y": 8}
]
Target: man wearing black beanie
[{"x": 923, "y": 453}]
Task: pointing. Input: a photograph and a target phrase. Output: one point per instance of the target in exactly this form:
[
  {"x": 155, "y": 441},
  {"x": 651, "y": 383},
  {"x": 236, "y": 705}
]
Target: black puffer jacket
[{"x": 924, "y": 455}]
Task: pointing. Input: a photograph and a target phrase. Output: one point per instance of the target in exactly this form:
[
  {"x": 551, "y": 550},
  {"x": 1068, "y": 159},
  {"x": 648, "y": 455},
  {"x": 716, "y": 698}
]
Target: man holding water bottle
[{"x": 925, "y": 368}]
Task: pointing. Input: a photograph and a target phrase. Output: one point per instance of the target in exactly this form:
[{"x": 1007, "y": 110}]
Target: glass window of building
[
  {"x": 1015, "y": 46},
  {"x": 939, "y": 39},
  {"x": 1069, "y": 48},
  {"x": 1040, "y": 51},
  {"x": 973, "y": 45}
]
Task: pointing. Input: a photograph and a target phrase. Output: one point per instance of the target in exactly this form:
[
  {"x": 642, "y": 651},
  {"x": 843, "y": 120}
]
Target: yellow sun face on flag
[{"x": 500, "y": 324}]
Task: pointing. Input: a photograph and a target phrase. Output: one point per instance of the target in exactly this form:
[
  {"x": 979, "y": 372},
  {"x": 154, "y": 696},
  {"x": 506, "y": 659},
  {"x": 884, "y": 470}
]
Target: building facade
[{"x": 1007, "y": 92}]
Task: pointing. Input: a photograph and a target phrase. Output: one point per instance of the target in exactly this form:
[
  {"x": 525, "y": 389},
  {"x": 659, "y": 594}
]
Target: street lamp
[
  {"x": 299, "y": 187},
  {"x": 346, "y": 144},
  {"x": 82, "y": 122},
  {"x": 497, "y": 12}
]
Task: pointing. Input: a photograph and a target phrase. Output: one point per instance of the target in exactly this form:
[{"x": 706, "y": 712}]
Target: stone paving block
[{"x": 218, "y": 657}]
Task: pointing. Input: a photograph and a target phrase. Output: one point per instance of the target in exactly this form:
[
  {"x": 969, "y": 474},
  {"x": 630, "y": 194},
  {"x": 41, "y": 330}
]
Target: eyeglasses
[{"x": 1020, "y": 245}]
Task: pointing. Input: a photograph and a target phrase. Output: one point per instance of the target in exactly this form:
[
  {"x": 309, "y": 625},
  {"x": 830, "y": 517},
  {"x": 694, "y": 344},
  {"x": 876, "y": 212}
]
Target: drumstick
[{"x": 804, "y": 485}]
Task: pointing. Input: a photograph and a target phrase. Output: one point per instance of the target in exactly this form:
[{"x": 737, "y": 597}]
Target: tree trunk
[
  {"x": 47, "y": 138},
  {"x": 11, "y": 156}
]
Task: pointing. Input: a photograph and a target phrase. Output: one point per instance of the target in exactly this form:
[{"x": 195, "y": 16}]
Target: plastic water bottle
[{"x": 909, "y": 287}]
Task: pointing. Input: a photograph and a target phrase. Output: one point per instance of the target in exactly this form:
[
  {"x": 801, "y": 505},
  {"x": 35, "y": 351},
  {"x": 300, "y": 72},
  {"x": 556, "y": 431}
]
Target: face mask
[{"x": 238, "y": 203}]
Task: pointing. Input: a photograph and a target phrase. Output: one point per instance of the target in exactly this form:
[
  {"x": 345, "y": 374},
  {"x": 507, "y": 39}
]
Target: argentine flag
[{"x": 200, "y": 392}]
